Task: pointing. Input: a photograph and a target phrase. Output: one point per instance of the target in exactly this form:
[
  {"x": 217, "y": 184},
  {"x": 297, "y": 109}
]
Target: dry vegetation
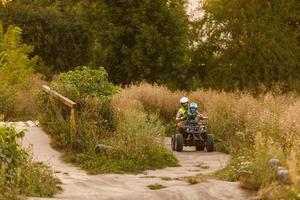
[
  {"x": 251, "y": 129},
  {"x": 106, "y": 117}
]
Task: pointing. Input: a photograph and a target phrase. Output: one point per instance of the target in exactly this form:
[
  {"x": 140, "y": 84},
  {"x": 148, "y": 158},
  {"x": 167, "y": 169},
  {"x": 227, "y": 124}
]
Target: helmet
[
  {"x": 184, "y": 100},
  {"x": 193, "y": 107}
]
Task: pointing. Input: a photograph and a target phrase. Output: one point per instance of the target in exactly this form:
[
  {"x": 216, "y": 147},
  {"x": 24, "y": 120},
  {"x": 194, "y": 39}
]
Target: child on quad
[
  {"x": 193, "y": 113},
  {"x": 189, "y": 129}
]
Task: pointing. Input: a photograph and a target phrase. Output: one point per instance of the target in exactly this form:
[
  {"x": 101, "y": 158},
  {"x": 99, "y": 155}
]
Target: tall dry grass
[
  {"x": 154, "y": 98},
  {"x": 137, "y": 142},
  {"x": 251, "y": 129},
  {"x": 19, "y": 103}
]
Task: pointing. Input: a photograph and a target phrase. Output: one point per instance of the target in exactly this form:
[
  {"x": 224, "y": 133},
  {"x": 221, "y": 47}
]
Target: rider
[
  {"x": 182, "y": 113},
  {"x": 194, "y": 114}
]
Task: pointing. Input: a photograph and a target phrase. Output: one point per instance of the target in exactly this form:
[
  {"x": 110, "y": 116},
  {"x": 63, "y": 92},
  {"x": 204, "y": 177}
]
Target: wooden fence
[{"x": 73, "y": 118}]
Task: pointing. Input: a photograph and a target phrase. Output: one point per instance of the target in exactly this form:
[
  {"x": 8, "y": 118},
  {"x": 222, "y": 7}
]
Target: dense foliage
[
  {"x": 16, "y": 69},
  {"x": 91, "y": 90},
  {"x": 60, "y": 38},
  {"x": 146, "y": 40},
  {"x": 19, "y": 175},
  {"x": 245, "y": 44},
  {"x": 133, "y": 40},
  {"x": 235, "y": 44}
]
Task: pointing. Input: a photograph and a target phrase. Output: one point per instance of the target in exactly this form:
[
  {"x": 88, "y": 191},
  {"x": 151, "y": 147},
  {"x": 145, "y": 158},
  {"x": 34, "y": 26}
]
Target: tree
[
  {"x": 16, "y": 67},
  {"x": 243, "y": 44},
  {"x": 61, "y": 38},
  {"x": 16, "y": 70},
  {"x": 144, "y": 40}
]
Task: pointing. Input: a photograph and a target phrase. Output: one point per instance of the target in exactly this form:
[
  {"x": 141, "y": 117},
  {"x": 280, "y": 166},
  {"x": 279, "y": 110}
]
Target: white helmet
[{"x": 184, "y": 100}]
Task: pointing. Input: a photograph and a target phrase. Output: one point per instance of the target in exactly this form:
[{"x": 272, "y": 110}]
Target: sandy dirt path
[{"x": 78, "y": 185}]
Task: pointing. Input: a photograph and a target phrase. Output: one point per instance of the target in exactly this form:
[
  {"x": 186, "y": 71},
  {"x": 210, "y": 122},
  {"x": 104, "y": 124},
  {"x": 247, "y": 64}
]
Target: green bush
[
  {"x": 7, "y": 103},
  {"x": 17, "y": 77},
  {"x": 85, "y": 82},
  {"x": 92, "y": 92},
  {"x": 19, "y": 175},
  {"x": 137, "y": 145}
]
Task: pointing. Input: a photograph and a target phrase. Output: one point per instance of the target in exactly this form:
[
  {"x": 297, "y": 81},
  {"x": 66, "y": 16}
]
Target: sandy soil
[{"x": 78, "y": 185}]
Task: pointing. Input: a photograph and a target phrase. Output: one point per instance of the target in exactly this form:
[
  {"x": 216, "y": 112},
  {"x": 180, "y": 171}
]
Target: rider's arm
[
  {"x": 201, "y": 116},
  {"x": 179, "y": 117}
]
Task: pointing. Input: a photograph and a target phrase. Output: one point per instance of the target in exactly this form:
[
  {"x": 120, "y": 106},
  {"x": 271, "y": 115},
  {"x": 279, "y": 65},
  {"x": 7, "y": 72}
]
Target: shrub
[
  {"x": 17, "y": 78},
  {"x": 7, "y": 103},
  {"x": 137, "y": 145},
  {"x": 19, "y": 175},
  {"x": 156, "y": 186},
  {"x": 136, "y": 136},
  {"x": 92, "y": 92}
]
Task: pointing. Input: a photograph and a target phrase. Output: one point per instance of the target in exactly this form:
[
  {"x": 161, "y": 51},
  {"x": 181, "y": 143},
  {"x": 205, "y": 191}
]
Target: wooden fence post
[{"x": 73, "y": 117}]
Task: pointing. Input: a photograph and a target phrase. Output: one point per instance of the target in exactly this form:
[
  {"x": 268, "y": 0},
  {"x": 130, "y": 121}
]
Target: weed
[
  {"x": 148, "y": 177},
  {"x": 165, "y": 178},
  {"x": 19, "y": 175},
  {"x": 202, "y": 165},
  {"x": 192, "y": 181},
  {"x": 156, "y": 186}
]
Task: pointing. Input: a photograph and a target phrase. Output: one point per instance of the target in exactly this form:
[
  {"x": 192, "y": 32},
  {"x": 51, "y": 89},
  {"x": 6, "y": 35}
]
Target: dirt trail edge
[{"x": 77, "y": 185}]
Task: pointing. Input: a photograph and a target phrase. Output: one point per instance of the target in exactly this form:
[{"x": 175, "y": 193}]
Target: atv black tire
[
  {"x": 200, "y": 147},
  {"x": 210, "y": 143},
  {"x": 173, "y": 142},
  {"x": 178, "y": 142}
]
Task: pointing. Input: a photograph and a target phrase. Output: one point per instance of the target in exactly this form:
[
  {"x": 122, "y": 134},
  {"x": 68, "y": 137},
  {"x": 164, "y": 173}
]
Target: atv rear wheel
[
  {"x": 210, "y": 143},
  {"x": 178, "y": 142}
]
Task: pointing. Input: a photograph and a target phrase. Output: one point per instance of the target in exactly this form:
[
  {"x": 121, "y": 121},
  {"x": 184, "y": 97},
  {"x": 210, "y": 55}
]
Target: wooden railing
[{"x": 73, "y": 118}]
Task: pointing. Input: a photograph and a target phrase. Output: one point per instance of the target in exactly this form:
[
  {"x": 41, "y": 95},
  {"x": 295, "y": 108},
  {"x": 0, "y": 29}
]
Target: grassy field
[{"x": 251, "y": 129}]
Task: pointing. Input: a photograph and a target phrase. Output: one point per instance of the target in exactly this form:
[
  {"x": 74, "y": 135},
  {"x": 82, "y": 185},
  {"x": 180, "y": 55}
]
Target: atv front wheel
[
  {"x": 173, "y": 142},
  {"x": 210, "y": 143},
  {"x": 178, "y": 142}
]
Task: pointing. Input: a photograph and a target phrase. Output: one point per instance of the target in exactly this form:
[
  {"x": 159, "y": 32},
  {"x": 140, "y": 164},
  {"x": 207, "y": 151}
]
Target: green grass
[
  {"x": 148, "y": 177},
  {"x": 198, "y": 178},
  {"x": 156, "y": 186},
  {"x": 98, "y": 164},
  {"x": 37, "y": 180},
  {"x": 165, "y": 178},
  {"x": 202, "y": 165},
  {"x": 193, "y": 181},
  {"x": 19, "y": 174}
]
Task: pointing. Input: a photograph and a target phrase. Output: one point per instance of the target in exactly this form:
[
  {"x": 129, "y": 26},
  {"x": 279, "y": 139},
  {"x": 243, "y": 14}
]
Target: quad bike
[{"x": 193, "y": 134}]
